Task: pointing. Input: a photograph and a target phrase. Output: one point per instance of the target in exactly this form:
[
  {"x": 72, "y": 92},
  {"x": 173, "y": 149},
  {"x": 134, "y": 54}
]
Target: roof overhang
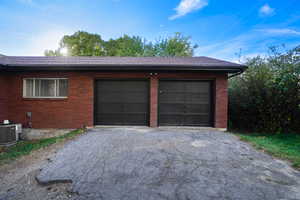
[
  {"x": 8, "y": 63},
  {"x": 120, "y": 68}
]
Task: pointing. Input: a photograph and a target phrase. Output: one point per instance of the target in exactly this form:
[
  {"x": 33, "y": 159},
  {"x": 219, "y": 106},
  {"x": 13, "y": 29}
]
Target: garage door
[
  {"x": 121, "y": 102},
  {"x": 185, "y": 103}
]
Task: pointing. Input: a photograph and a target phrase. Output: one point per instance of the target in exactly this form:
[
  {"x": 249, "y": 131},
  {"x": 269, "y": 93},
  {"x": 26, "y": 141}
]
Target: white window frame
[{"x": 44, "y": 97}]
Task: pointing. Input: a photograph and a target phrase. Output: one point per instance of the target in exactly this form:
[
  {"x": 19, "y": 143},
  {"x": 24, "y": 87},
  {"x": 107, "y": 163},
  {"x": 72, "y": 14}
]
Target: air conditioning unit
[{"x": 9, "y": 133}]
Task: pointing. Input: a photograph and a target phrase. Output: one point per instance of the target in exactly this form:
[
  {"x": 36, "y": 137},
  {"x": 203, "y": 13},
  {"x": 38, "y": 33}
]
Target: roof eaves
[
  {"x": 122, "y": 68},
  {"x": 124, "y": 64}
]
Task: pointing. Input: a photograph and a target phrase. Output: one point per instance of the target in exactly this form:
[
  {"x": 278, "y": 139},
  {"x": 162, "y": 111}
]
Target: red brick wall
[
  {"x": 3, "y": 96},
  {"x": 221, "y": 102},
  {"x": 77, "y": 110},
  {"x": 153, "y": 101},
  {"x": 74, "y": 112}
]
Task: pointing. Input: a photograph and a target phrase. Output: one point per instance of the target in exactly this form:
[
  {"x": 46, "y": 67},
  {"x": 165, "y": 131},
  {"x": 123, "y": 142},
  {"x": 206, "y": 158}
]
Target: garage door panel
[
  {"x": 170, "y": 119},
  {"x": 185, "y": 103},
  {"x": 171, "y": 107},
  {"x": 197, "y": 108},
  {"x": 198, "y": 87},
  {"x": 113, "y": 97},
  {"x": 121, "y": 102},
  {"x": 110, "y": 119},
  {"x": 196, "y": 98},
  {"x": 123, "y": 98},
  {"x": 135, "y": 97},
  {"x": 136, "y": 119},
  {"x": 119, "y": 108},
  {"x": 109, "y": 108},
  {"x": 171, "y": 97},
  {"x": 136, "y": 86},
  {"x": 172, "y": 86},
  {"x": 131, "y": 119},
  {"x": 200, "y": 120},
  {"x": 122, "y": 85},
  {"x": 135, "y": 108},
  {"x": 108, "y": 87}
]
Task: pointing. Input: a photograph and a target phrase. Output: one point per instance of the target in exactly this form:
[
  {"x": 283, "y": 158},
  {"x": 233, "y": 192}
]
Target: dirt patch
[{"x": 17, "y": 178}]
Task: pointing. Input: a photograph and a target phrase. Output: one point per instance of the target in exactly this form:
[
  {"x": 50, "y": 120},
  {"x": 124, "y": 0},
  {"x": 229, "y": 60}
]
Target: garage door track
[{"x": 169, "y": 163}]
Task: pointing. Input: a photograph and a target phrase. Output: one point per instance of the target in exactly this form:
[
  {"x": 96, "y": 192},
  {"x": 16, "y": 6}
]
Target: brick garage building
[{"x": 72, "y": 92}]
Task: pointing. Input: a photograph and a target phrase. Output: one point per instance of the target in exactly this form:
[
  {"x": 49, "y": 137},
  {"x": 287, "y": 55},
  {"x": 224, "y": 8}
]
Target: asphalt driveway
[{"x": 169, "y": 163}]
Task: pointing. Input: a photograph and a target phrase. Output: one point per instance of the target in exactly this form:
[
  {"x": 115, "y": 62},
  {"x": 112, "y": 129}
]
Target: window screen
[{"x": 45, "y": 87}]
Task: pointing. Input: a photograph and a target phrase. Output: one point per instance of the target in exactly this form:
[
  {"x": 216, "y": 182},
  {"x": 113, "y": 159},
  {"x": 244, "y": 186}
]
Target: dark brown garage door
[
  {"x": 185, "y": 103},
  {"x": 121, "y": 102}
]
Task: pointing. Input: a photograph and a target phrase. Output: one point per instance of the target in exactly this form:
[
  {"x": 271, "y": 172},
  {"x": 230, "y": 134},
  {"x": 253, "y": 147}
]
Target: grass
[
  {"x": 284, "y": 146},
  {"x": 26, "y": 147}
]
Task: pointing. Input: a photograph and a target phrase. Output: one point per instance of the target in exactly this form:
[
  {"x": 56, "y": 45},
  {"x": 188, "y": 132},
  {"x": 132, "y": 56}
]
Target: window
[{"x": 45, "y": 88}]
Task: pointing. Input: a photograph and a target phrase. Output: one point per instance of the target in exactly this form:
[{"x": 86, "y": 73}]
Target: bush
[{"x": 266, "y": 98}]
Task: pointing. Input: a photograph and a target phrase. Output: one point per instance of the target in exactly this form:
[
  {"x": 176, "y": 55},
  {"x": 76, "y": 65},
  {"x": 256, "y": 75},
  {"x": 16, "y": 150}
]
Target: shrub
[{"x": 266, "y": 97}]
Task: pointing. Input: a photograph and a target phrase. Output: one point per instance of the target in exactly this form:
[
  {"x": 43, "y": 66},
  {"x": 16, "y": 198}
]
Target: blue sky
[{"x": 220, "y": 27}]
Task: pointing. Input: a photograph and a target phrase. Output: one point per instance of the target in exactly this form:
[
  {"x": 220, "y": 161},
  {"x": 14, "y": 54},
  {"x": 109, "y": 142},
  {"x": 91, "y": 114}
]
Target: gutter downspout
[{"x": 236, "y": 74}]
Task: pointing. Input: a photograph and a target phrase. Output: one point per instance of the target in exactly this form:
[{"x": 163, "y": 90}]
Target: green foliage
[
  {"x": 285, "y": 146},
  {"x": 86, "y": 44},
  {"x": 26, "y": 147},
  {"x": 177, "y": 45},
  {"x": 83, "y": 44},
  {"x": 53, "y": 53},
  {"x": 125, "y": 46},
  {"x": 79, "y": 44},
  {"x": 267, "y": 96}
]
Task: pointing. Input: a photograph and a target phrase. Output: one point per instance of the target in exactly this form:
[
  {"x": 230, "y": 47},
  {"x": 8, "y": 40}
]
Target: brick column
[
  {"x": 221, "y": 103},
  {"x": 153, "y": 101}
]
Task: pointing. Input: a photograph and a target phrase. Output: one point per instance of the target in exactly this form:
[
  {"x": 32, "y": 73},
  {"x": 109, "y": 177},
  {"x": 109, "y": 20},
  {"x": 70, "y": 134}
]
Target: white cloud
[
  {"x": 245, "y": 57},
  {"x": 187, "y": 6},
  {"x": 283, "y": 31},
  {"x": 266, "y": 10},
  {"x": 227, "y": 49},
  {"x": 250, "y": 44}
]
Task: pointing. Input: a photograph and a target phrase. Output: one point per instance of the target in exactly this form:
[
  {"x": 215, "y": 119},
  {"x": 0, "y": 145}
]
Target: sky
[{"x": 222, "y": 29}]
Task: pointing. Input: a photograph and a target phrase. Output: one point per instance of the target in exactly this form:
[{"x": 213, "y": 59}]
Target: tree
[
  {"x": 267, "y": 96},
  {"x": 86, "y": 44},
  {"x": 125, "y": 46},
  {"x": 53, "y": 52},
  {"x": 80, "y": 44},
  {"x": 177, "y": 45}
]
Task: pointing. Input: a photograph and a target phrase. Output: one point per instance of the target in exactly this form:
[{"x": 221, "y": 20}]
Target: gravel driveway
[{"x": 169, "y": 163}]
